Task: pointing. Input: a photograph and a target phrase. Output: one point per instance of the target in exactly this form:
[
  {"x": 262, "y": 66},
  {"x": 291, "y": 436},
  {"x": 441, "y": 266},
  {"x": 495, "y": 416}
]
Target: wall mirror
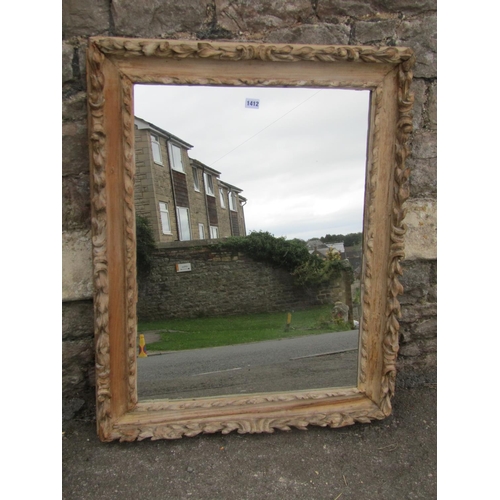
[{"x": 114, "y": 67}]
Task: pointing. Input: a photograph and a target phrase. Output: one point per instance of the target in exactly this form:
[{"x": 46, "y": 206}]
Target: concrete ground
[{"x": 391, "y": 459}]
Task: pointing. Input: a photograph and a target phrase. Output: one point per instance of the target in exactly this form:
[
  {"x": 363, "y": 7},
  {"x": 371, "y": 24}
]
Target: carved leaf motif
[{"x": 180, "y": 50}]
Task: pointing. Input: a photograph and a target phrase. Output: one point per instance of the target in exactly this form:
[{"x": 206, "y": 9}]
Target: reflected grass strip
[{"x": 180, "y": 334}]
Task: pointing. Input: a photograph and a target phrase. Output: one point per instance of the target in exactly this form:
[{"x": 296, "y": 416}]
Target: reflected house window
[
  {"x": 183, "y": 220},
  {"x": 176, "y": 156},
  {"x": 209, "y": 184},
  {"x": 222, "y": 200},
  {"x": 201, "y": 231},
  {"x": 214, "y": 232},
  {"x": 196, "y": 180},
  {"x": 232, "y": 203},
  {"x": 165, "y": 219},
  {"x": 155, "y": 147}
]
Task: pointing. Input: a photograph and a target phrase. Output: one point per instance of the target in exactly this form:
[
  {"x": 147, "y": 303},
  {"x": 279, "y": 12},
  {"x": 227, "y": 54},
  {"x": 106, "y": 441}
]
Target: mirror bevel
[{"x": 113, "y": 66}]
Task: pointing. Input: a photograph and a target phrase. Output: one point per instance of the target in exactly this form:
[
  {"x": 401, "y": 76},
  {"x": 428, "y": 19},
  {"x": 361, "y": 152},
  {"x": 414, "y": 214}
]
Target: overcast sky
[{"x": 300, "y": 158}]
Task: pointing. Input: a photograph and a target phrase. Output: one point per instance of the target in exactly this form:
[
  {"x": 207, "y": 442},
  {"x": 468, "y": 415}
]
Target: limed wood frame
[{"x": 113, "y": 66}]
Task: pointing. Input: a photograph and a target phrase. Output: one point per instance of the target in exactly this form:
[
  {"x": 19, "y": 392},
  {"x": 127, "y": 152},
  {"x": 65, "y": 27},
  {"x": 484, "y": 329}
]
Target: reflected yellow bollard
[
  {"x": 288, "y": 321},
  {"x": 142, "y": 347}
]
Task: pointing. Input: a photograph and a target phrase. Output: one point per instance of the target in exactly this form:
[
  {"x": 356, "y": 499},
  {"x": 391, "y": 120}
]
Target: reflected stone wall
[
  {"x": 403, "y": 22},
  {"x": 225, "y": 283}
]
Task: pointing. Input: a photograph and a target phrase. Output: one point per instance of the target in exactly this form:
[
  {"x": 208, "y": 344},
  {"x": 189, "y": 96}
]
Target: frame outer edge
[
  {"x": 97, "y": 153},
  {"x": 398, "y": 230},
  {"x": 99, "y": 48}
]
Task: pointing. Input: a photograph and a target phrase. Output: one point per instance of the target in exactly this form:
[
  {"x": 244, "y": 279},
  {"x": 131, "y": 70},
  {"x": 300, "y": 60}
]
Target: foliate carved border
[
  {"x": 97, "y": 140},
  {"x": 128, "y": 48},
  {"x": 245, "y": 425},
  {"x": 245, "y": 400},
  {"x": 250, "y": 51},
  {"x": 398, "y": 230},
  {"x": 256, "y": 82}
]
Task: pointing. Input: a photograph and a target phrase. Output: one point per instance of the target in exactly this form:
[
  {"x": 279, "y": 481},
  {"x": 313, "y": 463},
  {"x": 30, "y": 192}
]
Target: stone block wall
[
  {"x": 224, "y": 283},
  {"x": 409, "y": 23}
]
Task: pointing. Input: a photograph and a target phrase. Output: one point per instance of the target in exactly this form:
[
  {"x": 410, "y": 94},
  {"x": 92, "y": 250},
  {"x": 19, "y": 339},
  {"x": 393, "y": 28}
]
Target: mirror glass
[{"x": 285, "y": 169}]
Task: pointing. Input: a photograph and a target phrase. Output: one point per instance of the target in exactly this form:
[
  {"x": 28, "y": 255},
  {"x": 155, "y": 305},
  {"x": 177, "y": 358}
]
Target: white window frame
[
  {"x": 156, "y": 148},
  {"x": 214, "y": 232},
  {"x": 222, "y": 201},
  {"x": 201, "y": 231},
  {"x": 174, "y": 164},
  {"x": 232, "y": 202},
  {"x": 165, "y": 218},
  {"x": 196, "y": 179},
  {"x": 182, "y": 235},
  {"x": 209, "y": 184}
]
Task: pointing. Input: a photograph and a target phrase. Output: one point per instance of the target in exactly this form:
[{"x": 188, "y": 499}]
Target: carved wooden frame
[{"x": 113, "y": 66}]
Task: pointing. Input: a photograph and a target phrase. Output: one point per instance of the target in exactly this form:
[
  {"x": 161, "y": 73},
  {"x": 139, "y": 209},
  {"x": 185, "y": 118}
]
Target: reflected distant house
[
  {"x": 182, "y": 198},
  {"x": 315, "y": 244},
  {"x": 339, "y": 247},
  {"x": 317, "y": 247}
]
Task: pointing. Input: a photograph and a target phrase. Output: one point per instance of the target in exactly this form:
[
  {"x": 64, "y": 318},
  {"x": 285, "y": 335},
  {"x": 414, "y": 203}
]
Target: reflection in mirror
[{"x": 276, "y": 309}]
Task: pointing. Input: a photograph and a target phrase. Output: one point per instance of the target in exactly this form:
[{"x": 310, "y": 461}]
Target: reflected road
[{"x": 314, "y": 361}]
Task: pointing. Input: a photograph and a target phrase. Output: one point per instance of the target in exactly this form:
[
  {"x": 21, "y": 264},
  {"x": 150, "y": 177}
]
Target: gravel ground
[{"x": 391, "y": 459}]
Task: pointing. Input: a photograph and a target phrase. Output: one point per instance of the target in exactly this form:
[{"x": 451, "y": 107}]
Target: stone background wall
[
  {"x": 224, "y": 283},
  {"x": 409, "y": 23}
]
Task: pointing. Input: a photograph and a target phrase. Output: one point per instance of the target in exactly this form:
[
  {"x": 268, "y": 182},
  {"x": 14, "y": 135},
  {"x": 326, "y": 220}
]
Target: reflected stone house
[{"x": 182, "y": 198}]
